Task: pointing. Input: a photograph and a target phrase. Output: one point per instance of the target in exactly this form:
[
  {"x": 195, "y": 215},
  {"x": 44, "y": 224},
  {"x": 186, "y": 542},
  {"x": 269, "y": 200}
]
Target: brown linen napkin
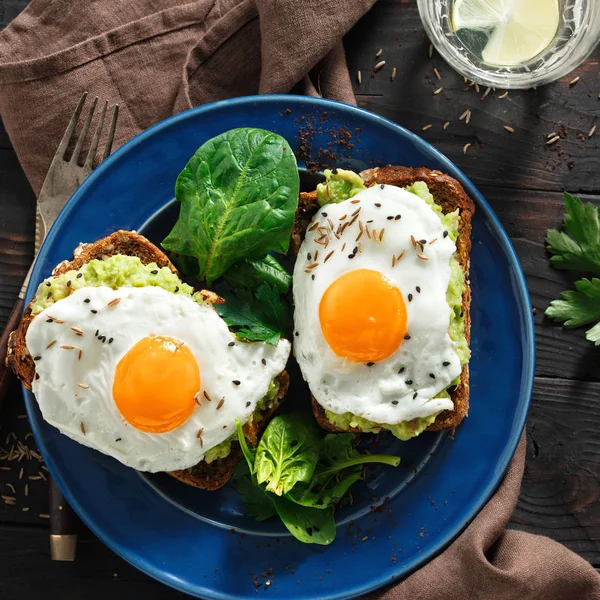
[{"x": 157, "y": 58}]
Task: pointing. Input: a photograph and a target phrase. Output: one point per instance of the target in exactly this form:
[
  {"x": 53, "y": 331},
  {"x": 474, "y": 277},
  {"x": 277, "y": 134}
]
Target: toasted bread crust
[
  {"x": 208, "y": 476},
  {"x": 216, "y": 474},
  {"x": 450, "y": 195}
]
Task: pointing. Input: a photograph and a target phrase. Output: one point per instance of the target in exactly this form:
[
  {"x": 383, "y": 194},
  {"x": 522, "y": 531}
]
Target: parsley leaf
[
  {"x": 578, "y": 247},
  {"x": 263, "y": 316},
  {"x": 579, "y": 307}
]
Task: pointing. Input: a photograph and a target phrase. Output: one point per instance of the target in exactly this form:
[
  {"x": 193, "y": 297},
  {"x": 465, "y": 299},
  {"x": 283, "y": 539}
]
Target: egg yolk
[
  {"x": 363, "y": 316},
  {"x": 155, "y": 384}
]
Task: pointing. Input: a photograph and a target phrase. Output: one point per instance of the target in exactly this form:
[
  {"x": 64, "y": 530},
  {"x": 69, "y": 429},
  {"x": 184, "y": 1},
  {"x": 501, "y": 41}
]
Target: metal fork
[{"x": 63, "y": 178}]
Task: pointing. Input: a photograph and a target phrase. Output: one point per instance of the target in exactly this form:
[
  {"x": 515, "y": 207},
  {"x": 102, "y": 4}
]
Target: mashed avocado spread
[
  {"x": 128, "y": 271},
  {"x": 342, "y": 185}
]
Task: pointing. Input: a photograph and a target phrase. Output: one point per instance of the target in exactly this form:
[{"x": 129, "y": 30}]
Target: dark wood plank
[
  {"x": 497, "y": 157},
  {"x": 97, "y": 574},
  {"x": 17, "y": 227},
  {"x": 560, "y": 495}
]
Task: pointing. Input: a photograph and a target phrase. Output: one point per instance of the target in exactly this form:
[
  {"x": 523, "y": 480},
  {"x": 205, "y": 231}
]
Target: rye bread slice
[
  {"x": 450, "y": 195},
  {"x": 207, "y": 476}
]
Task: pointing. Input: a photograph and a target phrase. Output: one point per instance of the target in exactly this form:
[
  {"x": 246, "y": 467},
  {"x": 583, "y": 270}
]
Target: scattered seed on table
[
  {"x": 468, "y": 119},
  {"x": 463, "y": 115},
  {"x": 466, "y": 147},
  {"x": 437, "y": 73},
  {"x": 553, "y": 140},
  {"x": 503, "y": 95},
  {"x": 486, "y": 92},
  {"x": 393, "y": 75},
  {"x": 378, "y": 66},
  {"x": 438, "y": 91},
  {"x": 551, "y": 135},
  {"x": 592, "y": 131},
  {"x": 358, "y": 77},
  {"x": 574, "y": 81},
  {"x": 430, "y": 52},
  {"x": 509, "y": 128},
  {"x": 446, "y": 125},
  {"x": 426, "y": 127},
  {"x": 379, "y": 53}
]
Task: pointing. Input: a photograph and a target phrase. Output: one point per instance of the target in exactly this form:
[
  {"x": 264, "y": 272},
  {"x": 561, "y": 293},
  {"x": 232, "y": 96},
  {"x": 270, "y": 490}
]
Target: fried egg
[
  {"x": 151, "y": 378},
  {"x": 371, "y": 317}
]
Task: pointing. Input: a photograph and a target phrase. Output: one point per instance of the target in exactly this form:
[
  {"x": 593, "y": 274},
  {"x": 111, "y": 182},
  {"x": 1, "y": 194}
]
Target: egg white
[
  {"x": 401, "y": 387},
  {"x": 139, "y": 313}
]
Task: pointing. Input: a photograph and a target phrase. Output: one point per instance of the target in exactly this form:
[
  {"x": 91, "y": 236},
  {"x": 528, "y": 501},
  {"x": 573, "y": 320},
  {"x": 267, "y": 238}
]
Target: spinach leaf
[
  {"x": 339, "y": 467},
  {"x": 306, "y": 524},
  {"x": 238, "y": 195},
  {"x": 287, "y": 452},
  {"x": 248, "y": 453},
  {"x": 252, "y": 273},
  {"x": 257, "y": 502},
  {"x": 261, "y": 317}
]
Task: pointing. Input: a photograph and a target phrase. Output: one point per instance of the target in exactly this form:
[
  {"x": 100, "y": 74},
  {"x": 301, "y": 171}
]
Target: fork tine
[
  {"x": 111, "y": 133},
  {"x": 62, "y": 147},
  {"x": 94, "y": 145},
  {"x": 84, "y": 132}
]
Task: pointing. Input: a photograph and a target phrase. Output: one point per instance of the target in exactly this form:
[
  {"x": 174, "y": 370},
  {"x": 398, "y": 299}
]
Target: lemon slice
[{"x": 521, "y": 28}]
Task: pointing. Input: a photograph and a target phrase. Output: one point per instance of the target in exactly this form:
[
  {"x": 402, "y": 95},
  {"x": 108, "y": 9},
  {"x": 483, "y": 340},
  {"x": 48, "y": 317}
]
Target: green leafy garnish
[
  {"x": 288, "y": 452},
  {"x": 300, "y": 475},
  {"x": 577, "y": 248},
  {"x": 252, "y": 273},
  {"x": 238, "y": 195},
  {"x": 262, "y": 316}
]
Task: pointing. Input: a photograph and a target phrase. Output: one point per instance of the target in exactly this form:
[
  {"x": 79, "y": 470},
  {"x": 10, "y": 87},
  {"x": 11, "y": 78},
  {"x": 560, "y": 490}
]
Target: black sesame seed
[
  {"x": 87, "y": 300},
  {"x": 110, "y": 340},
  {"x": 351, "y": 255},
  {"x": 236, "y": 382},
  {"x": 93, "y": 311},
  {"x": 377, "y": 205},
  {"x": 154, "y": 271},
  {"x": 309, "y": 256},
  {"x": 409, "y": 382},
  {"x": 394, "y": 402},
  {"x": 48, "y": 283},
  {"x": 401, "y": 370},
  {"x": 410, "y": 297},
  {"x": 49, "y": 321},
  {"x": 432, "y": 375},
  {"x": 390, "y": 217},
  {"x": 446, "y": 363},
  {"x": 102, "y": 339},
  {"x": 118, "y": 440},
  {"x": 398, "y": 217},
  {"x": 79, "y": 275},
  {"x": 37, "y": 358},
  {"x": 231, "y": 344},
  {"x": 97, "y": 332},
  {"x": 324, "y": 214},
  {"x": 415, "y": 395},
  {"x": 355, "y": 250},
  {"x": 370, "y": 364},
  {"x": 418, "y": 288},
  {"x": 445, "y": 234},
  {"x": 296, "y": 333},
  {"x": 382, "y": 186},
  {"x": 312, "y": 276},
  {"x": 176, "y": 288},
  {"x": 423, "y": 241},
  {"x": 264, "y": 361},
  {"x": 248, "y": 404},
  {"x": 69, "y": 283},
  {"x": 407, "y": 337},
  {"x": 37, "y": 376}
]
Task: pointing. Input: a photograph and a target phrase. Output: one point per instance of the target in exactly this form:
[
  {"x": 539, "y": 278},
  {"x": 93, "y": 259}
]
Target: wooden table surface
[{"x": 522, "y": 178}]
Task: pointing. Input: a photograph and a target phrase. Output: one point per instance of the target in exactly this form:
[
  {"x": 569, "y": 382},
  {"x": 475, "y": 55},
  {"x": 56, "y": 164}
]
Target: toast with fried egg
[
  {"x": 450, "y": 196},
  {"x": 210, "y": 476}
]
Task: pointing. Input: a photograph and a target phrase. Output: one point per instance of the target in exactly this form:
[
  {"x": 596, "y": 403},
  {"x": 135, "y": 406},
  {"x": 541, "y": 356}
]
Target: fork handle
[{"x": 5, "y": 373}]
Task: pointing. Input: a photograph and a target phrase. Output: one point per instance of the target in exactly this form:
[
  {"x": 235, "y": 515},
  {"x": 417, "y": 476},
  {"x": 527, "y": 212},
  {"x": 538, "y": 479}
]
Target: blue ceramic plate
[{"x": 201, "y": 542}]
